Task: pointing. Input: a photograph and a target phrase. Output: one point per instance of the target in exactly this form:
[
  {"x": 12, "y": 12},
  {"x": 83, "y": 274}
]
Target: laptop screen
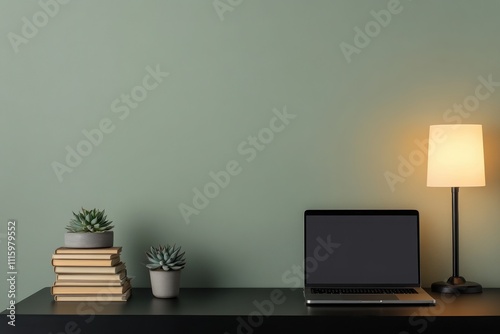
[{"x": 361, "y": 248}]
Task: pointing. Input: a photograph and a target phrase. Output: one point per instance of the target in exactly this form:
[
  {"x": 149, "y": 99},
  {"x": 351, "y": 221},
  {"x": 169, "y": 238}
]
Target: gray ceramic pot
[
  {"x": 88, "y": 240},
  {"x": 165, "y": 284}
]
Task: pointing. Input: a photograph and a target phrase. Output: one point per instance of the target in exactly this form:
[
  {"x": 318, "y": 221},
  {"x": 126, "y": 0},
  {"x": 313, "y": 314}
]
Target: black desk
[{"x": 248, "y": 311}]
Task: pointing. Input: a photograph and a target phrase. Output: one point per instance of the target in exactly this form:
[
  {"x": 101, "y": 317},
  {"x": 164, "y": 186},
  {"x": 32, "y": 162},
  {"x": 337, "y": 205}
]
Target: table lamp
[{"x": 455, "y": 160}]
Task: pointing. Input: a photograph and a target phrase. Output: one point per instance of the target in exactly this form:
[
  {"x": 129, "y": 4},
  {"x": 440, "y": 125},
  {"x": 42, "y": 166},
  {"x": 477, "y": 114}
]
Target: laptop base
[{"x": 421, "y": 298}]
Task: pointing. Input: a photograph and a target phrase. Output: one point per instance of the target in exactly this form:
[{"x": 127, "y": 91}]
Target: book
[
  {"x": 92, "y": 277},
  {"x": 89, "y": 269},
  {"x": 94, "y": 298},
  {"x": 85, "y": 290},
  {"x": 102, "y": 283},
  {"x": 85, "y": 263},
  {"x": 67, "y": 250},
  {"x": 84, "y": 256}
]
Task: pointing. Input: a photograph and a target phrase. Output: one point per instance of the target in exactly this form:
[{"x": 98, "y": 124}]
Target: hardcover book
[
  {"x": 94, "y": 298},
  {"x": 88, "y": 256},
  {"x": 85, "y": 263},
  {"x": 101, "y": 283},
  {"x": 92, "y": 277},
  {"x": 89, "y": 270},
  {"x": 83, "y": 290}
]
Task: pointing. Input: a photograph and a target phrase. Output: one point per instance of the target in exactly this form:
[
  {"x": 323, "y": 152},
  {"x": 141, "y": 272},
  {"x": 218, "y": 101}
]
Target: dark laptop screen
[{"x": 362, "y": 248}]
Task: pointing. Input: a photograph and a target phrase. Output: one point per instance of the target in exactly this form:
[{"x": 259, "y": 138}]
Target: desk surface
[{"x": 251, "y": 310}]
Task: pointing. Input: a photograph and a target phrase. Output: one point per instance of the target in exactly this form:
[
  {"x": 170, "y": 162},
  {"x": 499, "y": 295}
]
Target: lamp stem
[
  {"x": 456, "y": 283},
  {"x": 455, "y": 237}
]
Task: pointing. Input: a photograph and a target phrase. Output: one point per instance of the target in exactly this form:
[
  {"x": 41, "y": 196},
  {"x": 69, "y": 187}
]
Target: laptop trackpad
[{"x": 366, "y": 297}]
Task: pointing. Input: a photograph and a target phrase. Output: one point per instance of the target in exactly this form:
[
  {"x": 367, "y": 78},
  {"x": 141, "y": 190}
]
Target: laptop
[{"x": 362, "y": 257}]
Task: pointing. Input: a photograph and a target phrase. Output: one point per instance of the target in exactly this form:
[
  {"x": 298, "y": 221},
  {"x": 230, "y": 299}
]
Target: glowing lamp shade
[{"x": 455, "y": 157}]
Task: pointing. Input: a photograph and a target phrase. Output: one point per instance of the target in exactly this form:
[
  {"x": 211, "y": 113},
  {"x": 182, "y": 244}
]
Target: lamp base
[{"x": 456, "y": 285}]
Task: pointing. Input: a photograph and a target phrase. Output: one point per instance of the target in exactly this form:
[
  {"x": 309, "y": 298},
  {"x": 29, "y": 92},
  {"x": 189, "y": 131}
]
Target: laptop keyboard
[{"x": 365, "y": 291}]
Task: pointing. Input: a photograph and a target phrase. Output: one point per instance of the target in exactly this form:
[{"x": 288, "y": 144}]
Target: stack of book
[{"x": 90, "y": 274}]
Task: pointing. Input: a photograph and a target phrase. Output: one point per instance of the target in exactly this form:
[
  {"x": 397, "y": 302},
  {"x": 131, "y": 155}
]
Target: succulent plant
[
  {"x": 92, "y": 221},
  {"x": 165, "y": 258}
]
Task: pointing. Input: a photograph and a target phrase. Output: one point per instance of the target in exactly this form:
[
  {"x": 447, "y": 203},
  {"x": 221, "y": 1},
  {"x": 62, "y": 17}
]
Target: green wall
[{"x": 352, "y": 108}]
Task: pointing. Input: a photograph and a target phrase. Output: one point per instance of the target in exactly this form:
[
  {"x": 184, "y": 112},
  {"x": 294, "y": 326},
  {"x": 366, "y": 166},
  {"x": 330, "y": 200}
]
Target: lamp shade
[{"x": 455, "y": 156}]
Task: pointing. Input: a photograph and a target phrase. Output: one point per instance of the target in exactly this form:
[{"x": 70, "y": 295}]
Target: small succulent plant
[
  {"x": 165, "y": 258},
  {"x": 92, "y": 221}
]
